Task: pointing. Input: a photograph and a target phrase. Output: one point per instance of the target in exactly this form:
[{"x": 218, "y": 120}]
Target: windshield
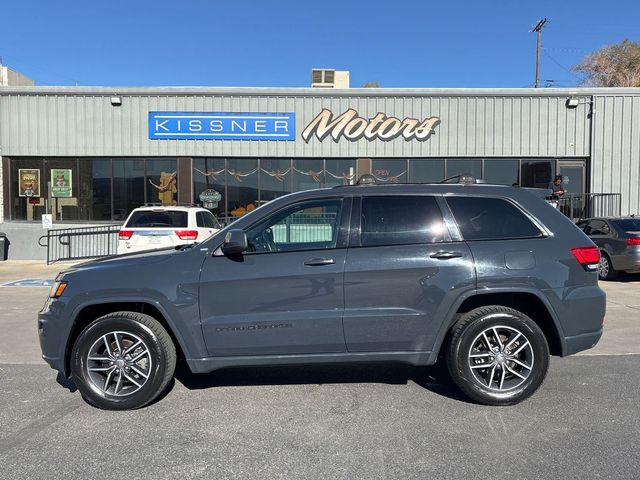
[
  {"x": 150, "y": 218},
  {"x": 628, "y": 224}
]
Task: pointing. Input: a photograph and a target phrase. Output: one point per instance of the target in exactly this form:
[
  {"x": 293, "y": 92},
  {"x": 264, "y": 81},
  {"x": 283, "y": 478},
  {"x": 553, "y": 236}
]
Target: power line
[{"x": 547, "y": 54}]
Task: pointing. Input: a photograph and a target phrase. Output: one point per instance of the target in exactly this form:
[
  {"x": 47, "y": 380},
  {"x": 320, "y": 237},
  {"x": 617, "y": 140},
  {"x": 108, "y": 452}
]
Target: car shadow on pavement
[
  {"x": 624, "y": 277},
  {"x": 434, "y": 379}
]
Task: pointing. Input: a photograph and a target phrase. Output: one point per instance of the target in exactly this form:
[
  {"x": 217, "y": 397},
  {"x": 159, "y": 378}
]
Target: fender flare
[
  {"x": 450, "y": 319},
  {"x": 125, "y": 299}
]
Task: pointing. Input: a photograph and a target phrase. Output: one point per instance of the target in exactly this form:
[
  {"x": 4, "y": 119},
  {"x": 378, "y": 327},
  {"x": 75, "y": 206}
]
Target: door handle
[
  {"x": 444, "y": 255},
  {"x": 315, "y": 262}
]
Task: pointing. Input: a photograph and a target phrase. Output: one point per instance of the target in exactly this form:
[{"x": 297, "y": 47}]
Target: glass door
[
  {"x": 573, "y": 175},
  {"x": 573, "y": 203}
]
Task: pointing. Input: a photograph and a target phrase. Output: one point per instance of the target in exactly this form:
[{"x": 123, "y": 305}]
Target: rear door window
[
  {"x": 158, "y": 219},
  {"x": 628, "y": 224},
  {"x": 487, "y": 218},
  {"x": 400, "y": 220},
  {"x": 597, "y": 227}
]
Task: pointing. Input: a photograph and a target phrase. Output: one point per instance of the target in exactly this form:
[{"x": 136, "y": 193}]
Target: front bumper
[{"x": 52, "y": 333}]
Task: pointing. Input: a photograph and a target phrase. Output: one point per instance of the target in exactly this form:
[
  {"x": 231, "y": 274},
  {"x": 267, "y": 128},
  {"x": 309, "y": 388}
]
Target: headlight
[{"x": 57, "y": 289}]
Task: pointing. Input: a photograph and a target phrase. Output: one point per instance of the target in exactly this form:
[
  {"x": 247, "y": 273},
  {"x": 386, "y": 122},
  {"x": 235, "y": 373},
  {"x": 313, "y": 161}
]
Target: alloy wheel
[
  {"x": 603, "y": 267},
  {"x": 501, "y": 358},
  {"x": 118, "y": 363}
]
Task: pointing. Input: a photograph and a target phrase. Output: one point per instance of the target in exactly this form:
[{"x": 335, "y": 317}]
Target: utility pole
[{"x": 538, "y": 30}]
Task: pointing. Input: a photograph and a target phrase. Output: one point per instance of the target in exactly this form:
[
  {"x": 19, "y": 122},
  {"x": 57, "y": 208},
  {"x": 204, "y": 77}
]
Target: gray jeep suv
[{"x": 489, "y": 279}]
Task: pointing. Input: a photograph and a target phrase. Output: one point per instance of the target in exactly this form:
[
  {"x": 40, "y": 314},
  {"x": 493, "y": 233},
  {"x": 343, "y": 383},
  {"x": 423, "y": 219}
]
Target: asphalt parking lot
[{"x": 321, "y": 422}]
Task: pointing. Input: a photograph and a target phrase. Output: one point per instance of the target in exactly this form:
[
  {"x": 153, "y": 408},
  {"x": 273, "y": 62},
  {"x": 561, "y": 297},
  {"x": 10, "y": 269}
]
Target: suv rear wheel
[
  {"x": 123, "y": 361},
  {"x": 497, "y": 355}
]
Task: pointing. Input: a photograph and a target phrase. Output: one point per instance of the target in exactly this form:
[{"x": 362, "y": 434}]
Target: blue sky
[{"x": 428, "y": 43}]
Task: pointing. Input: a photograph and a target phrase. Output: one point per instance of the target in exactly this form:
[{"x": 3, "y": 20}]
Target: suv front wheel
[
  {"x": 497, "y": 355},
  {"x": 122, "y": 361}
]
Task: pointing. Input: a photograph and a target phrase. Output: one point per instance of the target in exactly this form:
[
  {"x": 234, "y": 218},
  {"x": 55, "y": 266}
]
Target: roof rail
[{"x": 464, "y": 178}]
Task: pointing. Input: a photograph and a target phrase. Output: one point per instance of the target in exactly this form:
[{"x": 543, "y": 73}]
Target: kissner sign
[
  {"x": 221, "y": 126},
  {"x": 354, "y": 127}
]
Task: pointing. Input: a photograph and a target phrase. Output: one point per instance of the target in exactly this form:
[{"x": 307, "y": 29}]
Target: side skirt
[{"x": 204, "y": 365}]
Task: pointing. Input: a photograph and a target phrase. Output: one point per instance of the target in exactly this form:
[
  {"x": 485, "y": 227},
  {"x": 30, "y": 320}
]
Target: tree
[
  {"x": 372, "y": 84},
  {"x": 615, "y": 65}
]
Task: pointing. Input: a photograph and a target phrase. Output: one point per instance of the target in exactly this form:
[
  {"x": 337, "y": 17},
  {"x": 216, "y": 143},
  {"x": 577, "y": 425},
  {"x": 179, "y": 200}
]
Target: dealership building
[{"x": 89, "y": 155}]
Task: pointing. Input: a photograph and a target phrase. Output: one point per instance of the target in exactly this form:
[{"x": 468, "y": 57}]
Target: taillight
[
  {"x": 588, "y": 257},
  {"x": 187, "y": 234},
  {"x": 125, "y": 234},
  {"x": 634, "y": 241}
]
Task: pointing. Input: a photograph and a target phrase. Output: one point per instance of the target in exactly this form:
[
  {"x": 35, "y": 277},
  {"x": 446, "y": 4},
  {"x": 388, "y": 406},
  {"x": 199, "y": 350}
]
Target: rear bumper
[
  {"x": 580, "y": 312},
  {"x": 629, "y": 262},
  {"x": 581, "y": 342}
]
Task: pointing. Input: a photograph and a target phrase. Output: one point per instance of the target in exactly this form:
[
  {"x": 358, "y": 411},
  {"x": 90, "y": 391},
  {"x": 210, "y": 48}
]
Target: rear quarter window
[
  {"x": 153, "y": 219},
  {"x": 486, "y": 218}
]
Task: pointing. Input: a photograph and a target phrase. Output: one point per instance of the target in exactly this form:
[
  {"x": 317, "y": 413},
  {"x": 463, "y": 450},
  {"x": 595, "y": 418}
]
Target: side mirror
[{"x": 235, "y": 242}]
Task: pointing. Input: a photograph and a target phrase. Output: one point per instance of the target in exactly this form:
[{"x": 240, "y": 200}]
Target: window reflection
[
  {"x": 501, "y": 171},
  {"x": 210, "y": 174},
  {"x": 426, "y": 170},
  {"x": 537, "y": 173},
  {"x": 308, "y": 174},
  {"x": 128, "y": 186},
  {"x": 275, "y": 178},
  {"x": 340, "y": 172},
  {"x": 162, "y": 181},
  {"x": 459, "y": 166},
  {"x": 392, "y": 170},
  {"x": 242, "y": 186}
]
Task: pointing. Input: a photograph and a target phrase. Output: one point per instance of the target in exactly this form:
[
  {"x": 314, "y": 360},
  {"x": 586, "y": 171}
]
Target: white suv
[{"x": 154, "y": 227}]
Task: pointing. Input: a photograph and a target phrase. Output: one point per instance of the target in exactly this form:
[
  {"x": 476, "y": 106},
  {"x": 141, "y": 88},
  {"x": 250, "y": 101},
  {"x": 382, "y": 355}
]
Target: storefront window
[
  {"x": 458, "y": 166},
  {"x": 210, "y": 174},
  {"x": 242, "y": 186},
  {"x": 128, "y": 186},
  {"x": 94, "y": 189},
  {"x": 501, "y": 171},
  {"x": 162, "y": 181},
  {"x": 28, "y": 188},
  {"x": 537, "y": 173},
  {"x": 308, "y": 174},
  {"x": 426, "y": 170},
  {"x": 392, "y": 170},
  {"x": 275, "y": 178},
  {"x": 60, "y": 184},
  {"x": 340, "y": 172}
]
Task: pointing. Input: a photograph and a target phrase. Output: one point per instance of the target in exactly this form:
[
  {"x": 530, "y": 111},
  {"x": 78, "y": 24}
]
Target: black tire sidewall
[
  {"x": 81, "y": 348},
  {"x": 461, "y": 371}
]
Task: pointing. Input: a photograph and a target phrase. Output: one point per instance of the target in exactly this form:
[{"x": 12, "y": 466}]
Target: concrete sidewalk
[{"x": 12, "y": 270}]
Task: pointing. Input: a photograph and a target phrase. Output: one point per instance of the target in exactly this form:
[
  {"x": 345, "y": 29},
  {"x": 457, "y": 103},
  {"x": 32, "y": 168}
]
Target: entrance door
[
  {"x": 573, "y": 175},
  {"x": 574, "y": 204}
]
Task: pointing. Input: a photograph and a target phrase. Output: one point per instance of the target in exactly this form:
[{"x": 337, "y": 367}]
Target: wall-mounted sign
[
  {"x": 28, "y": 182},
  {"x": 61, "y": 182},
  {"x": 380, "y": 127},
  {"x": 221, "y": 126}
]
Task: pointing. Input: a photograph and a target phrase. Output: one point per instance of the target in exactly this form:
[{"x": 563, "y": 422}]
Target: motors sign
[
  {"x": 381, "y": 127},
  {"x": 221, "y": 126}
]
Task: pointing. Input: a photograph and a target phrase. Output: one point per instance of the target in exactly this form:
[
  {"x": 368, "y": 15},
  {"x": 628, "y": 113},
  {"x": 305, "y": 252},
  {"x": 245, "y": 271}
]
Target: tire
[
  {"x": 116, "y": 351},
  {"x": 605, "y": 268},
  {"x": 479, "y": 383}
]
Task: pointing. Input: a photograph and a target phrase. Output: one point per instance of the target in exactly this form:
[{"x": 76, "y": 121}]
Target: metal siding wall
[
  {"x": 474, "y": 126},
  {"x": 616, "y": 149}
]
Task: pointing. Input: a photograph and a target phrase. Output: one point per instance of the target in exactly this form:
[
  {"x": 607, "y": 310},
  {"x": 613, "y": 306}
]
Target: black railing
[
  {"x": 78, "y": 243},
  {"x": 578, "y": 206}
]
